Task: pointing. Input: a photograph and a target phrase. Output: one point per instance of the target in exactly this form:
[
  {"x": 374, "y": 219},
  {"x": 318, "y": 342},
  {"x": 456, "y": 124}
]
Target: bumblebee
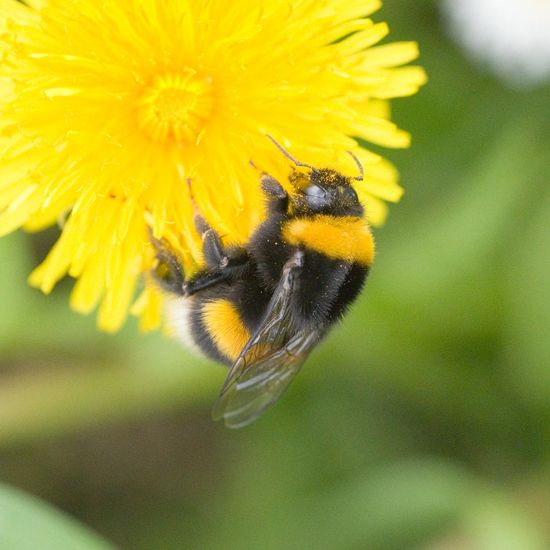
[{"x": 262, "y": 308}]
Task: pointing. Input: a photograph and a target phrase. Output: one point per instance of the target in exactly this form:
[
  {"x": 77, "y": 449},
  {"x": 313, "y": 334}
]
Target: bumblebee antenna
[
  {"x": 288, "y": 155},
  {"x": 361, "y": 175}
]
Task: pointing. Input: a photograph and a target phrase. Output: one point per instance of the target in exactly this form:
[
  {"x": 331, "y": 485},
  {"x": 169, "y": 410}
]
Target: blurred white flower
[{"x": 512, "y": 36}]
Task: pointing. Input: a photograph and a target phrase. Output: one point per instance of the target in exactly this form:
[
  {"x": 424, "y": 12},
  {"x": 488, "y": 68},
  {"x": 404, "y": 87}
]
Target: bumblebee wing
[
  {"x": 253, "y": 387},
  {"x": 270, "y": 359}
]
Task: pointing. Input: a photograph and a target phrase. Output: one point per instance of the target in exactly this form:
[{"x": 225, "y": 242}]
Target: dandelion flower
[
  {"x": 108, "y": 108},
  {"x": 511, "y": 37}
]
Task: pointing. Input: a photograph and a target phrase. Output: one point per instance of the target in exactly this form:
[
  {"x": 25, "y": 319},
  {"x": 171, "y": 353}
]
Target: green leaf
[{"x": 27, "y": 523}]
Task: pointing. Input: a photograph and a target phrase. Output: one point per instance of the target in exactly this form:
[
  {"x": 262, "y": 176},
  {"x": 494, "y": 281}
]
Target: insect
[{"x": 263, "y": 307}]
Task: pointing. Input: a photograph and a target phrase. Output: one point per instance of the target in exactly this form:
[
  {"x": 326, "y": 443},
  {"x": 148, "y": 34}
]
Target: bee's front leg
[{"x": 277, "y": 196}]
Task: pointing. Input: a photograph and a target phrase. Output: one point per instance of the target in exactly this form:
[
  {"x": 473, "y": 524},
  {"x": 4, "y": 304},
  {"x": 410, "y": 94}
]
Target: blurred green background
[{"x": 421, "y": 423}]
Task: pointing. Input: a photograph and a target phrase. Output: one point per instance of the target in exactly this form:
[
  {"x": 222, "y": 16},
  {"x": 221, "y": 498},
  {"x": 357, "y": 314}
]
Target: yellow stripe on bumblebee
[
  {"x": 224, "y": 324},
  {"x": 338, "y": 237}
]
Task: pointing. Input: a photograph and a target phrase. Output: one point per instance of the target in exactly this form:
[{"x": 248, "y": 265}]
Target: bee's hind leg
[
  {"x": 204, "y": 281},
  {"x": 168, "y": 273}
]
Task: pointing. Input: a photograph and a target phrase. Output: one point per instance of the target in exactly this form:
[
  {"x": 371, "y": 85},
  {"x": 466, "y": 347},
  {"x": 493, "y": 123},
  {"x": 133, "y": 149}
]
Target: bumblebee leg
[
  {"x": 212, "y": 247},
  {"x": 207, "y": 280},
  {"x": 168, "y": 272},
  {"x": 220, "y": 263},
  {"x": 213, "y": 250},
  {"x": 277, "y": 196},
  {"x": 214, "y": 253}
]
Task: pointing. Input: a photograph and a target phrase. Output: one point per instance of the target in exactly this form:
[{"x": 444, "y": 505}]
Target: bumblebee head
[{"x": 322, "y": 190}]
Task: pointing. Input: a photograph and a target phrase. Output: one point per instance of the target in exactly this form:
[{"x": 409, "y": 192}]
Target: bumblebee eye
[{"x": 314, "y": 191}]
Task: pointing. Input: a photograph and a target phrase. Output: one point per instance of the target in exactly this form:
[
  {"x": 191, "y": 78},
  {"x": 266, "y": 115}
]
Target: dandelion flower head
[{"x": 108, "y": 109}]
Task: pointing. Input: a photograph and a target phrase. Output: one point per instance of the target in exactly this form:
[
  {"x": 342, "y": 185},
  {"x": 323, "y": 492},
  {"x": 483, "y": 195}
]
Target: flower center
[{"x": 176, "y": 107}]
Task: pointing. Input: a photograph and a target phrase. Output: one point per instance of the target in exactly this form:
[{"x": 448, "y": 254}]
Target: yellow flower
[{"x": 108, "y": 108}]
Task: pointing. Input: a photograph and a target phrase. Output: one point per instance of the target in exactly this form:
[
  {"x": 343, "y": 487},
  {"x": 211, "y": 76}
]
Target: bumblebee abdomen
[
  {"x": 186, "y": 323},
  {"x": 218, "y": 322},
  {"x": 327, "y": 287},
  {"x": 181, "y": 313},
  {"x": 223, "y": 323}
]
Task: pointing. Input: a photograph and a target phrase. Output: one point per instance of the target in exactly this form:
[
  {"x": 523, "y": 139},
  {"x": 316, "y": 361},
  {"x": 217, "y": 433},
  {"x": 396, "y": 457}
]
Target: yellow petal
[{"x": 389, "y": 55}]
